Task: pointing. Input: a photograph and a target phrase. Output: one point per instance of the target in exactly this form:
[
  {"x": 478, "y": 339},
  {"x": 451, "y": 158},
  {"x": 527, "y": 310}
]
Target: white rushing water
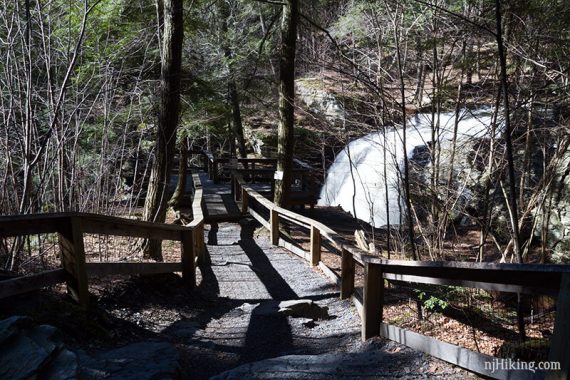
[{"x": 363, "y": 192}]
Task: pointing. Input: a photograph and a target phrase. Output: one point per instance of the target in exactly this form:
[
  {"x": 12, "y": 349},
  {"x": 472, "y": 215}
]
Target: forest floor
[
  {"x": 478, "y": 320},
  {"x": 231, "y": 318}
]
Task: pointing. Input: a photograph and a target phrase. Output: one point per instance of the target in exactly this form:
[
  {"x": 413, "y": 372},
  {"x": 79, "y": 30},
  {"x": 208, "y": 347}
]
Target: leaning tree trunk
[
  {"x": 286, "y": 137},
  {"x": 156, "y": 199}
]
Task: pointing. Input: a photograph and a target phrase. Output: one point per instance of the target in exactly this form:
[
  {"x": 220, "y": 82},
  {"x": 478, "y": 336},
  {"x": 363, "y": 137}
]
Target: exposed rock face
[
  {"x": 327, "y": 366},
  {"x": 559, "y": 221},
  {"x": 318, "y": 100},
  {"x": 28, "y": 351},
  {"x": 143, "y": 361}
]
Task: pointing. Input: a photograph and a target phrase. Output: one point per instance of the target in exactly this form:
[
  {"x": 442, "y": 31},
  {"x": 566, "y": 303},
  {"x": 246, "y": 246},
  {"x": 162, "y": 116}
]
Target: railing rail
[
  {"x": 71, "y": 228},
  {"x": 553, "y": 280}
]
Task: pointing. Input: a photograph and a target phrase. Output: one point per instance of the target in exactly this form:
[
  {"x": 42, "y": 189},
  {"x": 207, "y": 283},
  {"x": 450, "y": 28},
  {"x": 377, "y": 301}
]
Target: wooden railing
[
  {"x": 262, "y": 168},
  {"x": 552, "y": 280},
  {"x": 197, "y": 223},
  {"x": 71, "y": 228}
]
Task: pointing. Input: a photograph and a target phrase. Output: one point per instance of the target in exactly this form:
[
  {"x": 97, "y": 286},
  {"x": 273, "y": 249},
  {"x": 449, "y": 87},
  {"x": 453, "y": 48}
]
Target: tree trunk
[
  {"x": 236, "y": 125},
  {"x": 182, "y": 177},
  {"x": 508, "y": 138},
  {"x": 513, "y": 211},
  {"x": 156, "y": 198},
  {"x": 286, "y": 136},
  {"x": 407, "y": 195}
]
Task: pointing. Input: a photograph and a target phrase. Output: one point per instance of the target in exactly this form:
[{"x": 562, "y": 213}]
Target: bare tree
[{"x": 156, "y": 199}]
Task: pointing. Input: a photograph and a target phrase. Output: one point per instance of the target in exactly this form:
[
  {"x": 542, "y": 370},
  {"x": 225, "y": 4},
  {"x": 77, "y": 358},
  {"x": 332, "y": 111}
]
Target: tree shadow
[{"x": 268, "y": 335}]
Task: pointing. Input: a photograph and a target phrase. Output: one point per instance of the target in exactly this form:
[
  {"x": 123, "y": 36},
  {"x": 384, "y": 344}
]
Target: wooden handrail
[
  {"x": 71, "y": 227},
  {"x": 19, "y": 225},
  {"x": 197, "y": 223},
  {"x": 519, "y": 278}
]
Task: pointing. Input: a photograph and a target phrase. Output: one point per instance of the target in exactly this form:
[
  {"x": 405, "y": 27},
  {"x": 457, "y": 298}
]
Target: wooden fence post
[
  {"x": 244, "y": 201},
  {"x": 73, "y": 260},
  {"x": 188, "y": 253},
  {"x": 199, "y": 242},
  {"x": 315, "y": 245},
  {"x": 274, "y": 222},
  {"x": 373, "y": 300},
  {"x": 560, "y": 342},
  {"x": 347, "y": 275},
  {"x": 215, "y": 171}
]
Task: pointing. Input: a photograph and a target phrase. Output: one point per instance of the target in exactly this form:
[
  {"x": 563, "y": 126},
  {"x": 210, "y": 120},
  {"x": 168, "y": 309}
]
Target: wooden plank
[
  {"x": 560, "y": 342},
  {"x": 545, "y": 268},
  {"x": 315, "y": 245},
  {"x": 188, "y": 254},
  {"x": 331, "y": 247},
  {"x": 531, "y": 276},
  {"x": 335, "y": 278},
  {"x": 73, "y": 260},
  {"x": 244, "y": 201},
  {"x": 131, "y": 228},
  {"x": 471, "y": 284},
  {"x": 373, "y": 300},
  {"x": 258, "y": 197},
  {"x": 294, "y": 249},
  {"x": 470, "y": 360},
  {"x": 274, "y": 223},
  {"x": 105, "y": 269},
  {"x": 347, "y": 275},
  {"x": 358, "y": 301},
  {"x": 20, "y": 225},
  {"x": 215, "y": 170},
  {"x": 30, "y": 283},
  {"x": 199, "y": 245},
  {"x": 359, "y": 255},
  {"x": 260, "y": 219},
  {"x": 296, "y": 222}
]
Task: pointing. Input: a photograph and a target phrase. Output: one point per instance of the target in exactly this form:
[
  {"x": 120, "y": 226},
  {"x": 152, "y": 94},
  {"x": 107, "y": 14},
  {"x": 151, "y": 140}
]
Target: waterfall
[{"x": 367, "y": 182}]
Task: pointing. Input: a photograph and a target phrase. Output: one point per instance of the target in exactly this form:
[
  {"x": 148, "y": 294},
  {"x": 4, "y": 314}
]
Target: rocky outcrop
[
  {"x": 559, "y": 220},
  {"x": 318, "y": 100},
  {"x": 28, "y": 351},
  {"x": 141, "y": 361},
  {"x": 327, "y": 366}
]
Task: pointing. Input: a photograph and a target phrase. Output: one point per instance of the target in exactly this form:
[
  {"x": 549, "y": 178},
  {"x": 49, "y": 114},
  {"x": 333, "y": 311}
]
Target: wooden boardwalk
[{"x": 219, "y": 204}]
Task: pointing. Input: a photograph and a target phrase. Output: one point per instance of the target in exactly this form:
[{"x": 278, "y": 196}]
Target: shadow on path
[{"x": 267, "y": 335}]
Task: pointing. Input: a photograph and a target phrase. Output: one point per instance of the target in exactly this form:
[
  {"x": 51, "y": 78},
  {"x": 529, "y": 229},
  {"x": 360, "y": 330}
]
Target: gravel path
[{"x": 248, "y": 276}]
